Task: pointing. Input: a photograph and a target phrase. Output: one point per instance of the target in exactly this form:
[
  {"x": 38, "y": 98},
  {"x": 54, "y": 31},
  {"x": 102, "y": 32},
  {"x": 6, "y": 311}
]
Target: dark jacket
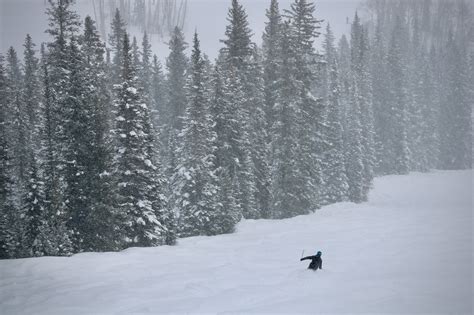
[{"x": 316, "y": 261}]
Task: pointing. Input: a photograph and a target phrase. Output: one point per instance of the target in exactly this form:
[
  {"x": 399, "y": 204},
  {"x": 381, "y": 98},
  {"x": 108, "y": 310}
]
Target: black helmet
[{"x": 319, "y": 253}]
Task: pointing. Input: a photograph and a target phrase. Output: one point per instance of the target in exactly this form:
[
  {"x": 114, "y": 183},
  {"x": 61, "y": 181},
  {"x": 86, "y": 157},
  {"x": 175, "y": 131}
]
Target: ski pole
[{"x": 302, "y": 254}]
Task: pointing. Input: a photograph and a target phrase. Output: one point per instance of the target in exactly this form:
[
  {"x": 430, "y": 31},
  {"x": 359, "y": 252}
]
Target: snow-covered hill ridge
[{"x": 408, "y": 250}]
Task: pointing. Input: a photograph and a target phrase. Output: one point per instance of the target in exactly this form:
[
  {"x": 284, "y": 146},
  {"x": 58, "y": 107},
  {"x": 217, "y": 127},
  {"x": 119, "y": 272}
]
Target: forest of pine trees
[{"x": 103, "y": 148}]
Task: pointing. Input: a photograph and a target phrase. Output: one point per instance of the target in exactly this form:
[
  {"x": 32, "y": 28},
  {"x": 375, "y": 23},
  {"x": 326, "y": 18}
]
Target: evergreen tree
[
  {"x": 63, "y": 27},
  {"x": 116, "y": 45},
  {"x": 19, "y": 119},
  {"x": 158, "y": 93},
  {"x": 238, "y": 45},
  {"x": 398, "y": 153},
  {"x": 237, "y": 152},
  {"x": 77, "y": 135},
  {"x": 229, "y": 211},
  {"x": 286, "y": 179},
  {"x": 57, "y": 238},
  {"x": 145, "y": 70},
  {"x": 33, "y": 200},
  {"x": 271, "y": 57},
  {"x": 176, "y": 65},
  {"x": 430, "y": 107},
  {"x": 304, "y": 30},
  {"x": 140, "y": 202},
  {"x": 456, "y": 110},
  {"x": 416, "y": 123},
  {"x": 354, "y": 155},
  {"x": 136, "y": 56},
  {"x": 100, "y": 230},
  {"x": 195, "y": 181},
  {"x": 366, "y": 112},
  {"x": 31, "y": 90},
  {"x": 381, "y": 103},
  {"x": 335, "y": 178},
  {"x": 237, "y": 54},
  {"x": 344, "y": 64},
  {"x": 259, "y": 146},
  {"x": 17, "y": 138},
  {"x": 6, "y": 206},
  {"x": 35, "y": 220}
]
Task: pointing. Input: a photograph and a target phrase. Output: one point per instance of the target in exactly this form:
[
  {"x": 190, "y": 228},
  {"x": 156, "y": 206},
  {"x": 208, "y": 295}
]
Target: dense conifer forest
[{"x": 102, "y": 147}]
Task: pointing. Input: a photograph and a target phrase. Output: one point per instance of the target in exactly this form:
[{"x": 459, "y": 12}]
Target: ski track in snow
[{"x": 408, "y": 250}]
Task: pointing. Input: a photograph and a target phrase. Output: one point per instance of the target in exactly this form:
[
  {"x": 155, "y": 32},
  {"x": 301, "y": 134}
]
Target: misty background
[{"x": 209, "y": 17}]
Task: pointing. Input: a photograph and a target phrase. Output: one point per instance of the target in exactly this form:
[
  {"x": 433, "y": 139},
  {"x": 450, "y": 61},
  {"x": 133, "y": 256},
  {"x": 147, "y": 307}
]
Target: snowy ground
[{"x": 408, "y": 250}]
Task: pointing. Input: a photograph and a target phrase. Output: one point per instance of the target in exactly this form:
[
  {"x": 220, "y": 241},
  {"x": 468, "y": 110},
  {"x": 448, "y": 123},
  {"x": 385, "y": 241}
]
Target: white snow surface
[{"x": 408, "y": 250}]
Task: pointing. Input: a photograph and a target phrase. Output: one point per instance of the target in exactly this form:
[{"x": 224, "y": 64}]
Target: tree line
[{"x": 103, "y": 148}]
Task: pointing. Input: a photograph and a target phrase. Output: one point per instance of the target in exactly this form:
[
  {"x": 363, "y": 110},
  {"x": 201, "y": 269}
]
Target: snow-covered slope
[{"x": 408, "y": 250}]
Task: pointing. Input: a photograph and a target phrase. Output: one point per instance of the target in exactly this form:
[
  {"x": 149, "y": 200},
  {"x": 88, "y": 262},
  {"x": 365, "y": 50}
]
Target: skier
[{"x": 316, "y": 261}]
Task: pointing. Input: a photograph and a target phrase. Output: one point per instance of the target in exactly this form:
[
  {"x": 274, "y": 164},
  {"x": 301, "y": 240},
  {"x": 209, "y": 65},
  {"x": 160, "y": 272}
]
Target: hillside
[{"x": 408, "y": 250}]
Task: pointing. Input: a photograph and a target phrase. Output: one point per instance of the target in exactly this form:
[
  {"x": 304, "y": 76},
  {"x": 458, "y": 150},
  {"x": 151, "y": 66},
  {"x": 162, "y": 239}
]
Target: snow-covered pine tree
[
  {"x": 19, "y": 150},
  {"x": 6, "y": 205},
  {"x": 354, "y": 155},
  {"x": 77, "y": 112},
  {"x": 99, "y": 232},
  {"x": 195, "y": 183},
  {"x": 344, "y": 65},
  {"x": 18, "y": 126},
  {"x": 158, "y": 94},
  {"x": 115, "y": 41},
  {"x": 238, "y": 45},
  {"x": 259, "y": 145},
  {"x": 33, "y": 204},
  {"x": 398, "y": 152},
  {"x": 140, "y": 200},
  {"x": 366, "y": 111},
  {"x": 380, "y": 97},
  {"x": 286, "y": 180},
  {"x": 63, "y": 27},
  {"x": 176, "y": 64},
  {"x": 430, "y": 95},
  {"x": 236, "y": 56},
  {"x": 35, "y": 220},
  {"x": 416, "y": 121},
  {"x": 345, "y": 75},
  {"x": 145, "y": 70},
  {"x": 271, "y": 57},
  {"x": 237, "y": 151},
  {"x": 136, "y": 56},
  {"x": 31, "y": 88},
  {"x": 56, "y": 238},
  {"x": 335, "y": 178},
  {"x": 304, "y": 30},
  {"x": 229, "y": 211},
  {"x": 456, "y": 110}
]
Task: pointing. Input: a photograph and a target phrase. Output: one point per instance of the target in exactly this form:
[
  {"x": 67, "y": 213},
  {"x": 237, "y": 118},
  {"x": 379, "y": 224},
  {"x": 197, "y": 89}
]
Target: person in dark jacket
[{"x": 316, "y": 261}]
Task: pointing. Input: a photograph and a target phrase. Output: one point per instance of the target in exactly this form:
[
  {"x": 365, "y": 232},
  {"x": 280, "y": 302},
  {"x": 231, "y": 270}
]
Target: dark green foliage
[
  {"x": 116, "y": 45},
  {"x": 398, "y": 149},
  {"x": 195, "y": 183},
  {"x": 142, "y": 209},
  {"x": 335, "y": 178},
  {"x": 456, "y": 110},
  {"x": 238, "y": 45}
]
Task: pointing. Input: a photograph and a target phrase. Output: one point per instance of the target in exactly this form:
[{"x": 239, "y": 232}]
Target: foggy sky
[{"x": 19, "y": 17}]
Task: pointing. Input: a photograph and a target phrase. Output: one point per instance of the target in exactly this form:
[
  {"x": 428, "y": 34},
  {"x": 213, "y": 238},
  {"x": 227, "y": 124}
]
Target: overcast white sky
[{"x": 19, "y": 17}]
